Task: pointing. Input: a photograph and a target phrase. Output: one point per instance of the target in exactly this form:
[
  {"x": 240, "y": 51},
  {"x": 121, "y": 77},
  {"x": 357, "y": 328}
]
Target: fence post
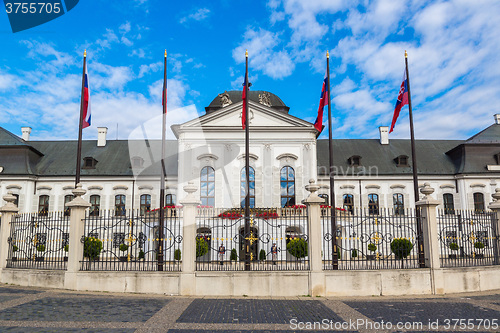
[
  {"x": 76, "y": 231},
  {"x": 187, "y": 281},
  {"x": 8, "y": 212},
  {"x": 316, "y": 276},
  {"x": 495, "y": 207},
  {"x": 430, "y": 236}
]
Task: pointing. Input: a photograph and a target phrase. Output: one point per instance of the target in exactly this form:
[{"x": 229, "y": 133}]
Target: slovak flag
[
  {"x": 323, "y": 100},
  {"x": 86, "y": 100},
  {"x": 244, "y": 98},
  {"x": 402, "y": 101}
]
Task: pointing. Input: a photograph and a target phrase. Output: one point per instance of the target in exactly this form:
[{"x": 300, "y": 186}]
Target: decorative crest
[
  {"x": 265, "y": 98},
  {"x": 224, "y": 99}
]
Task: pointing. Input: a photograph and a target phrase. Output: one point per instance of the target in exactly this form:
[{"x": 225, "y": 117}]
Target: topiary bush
[
  {"x": 177, "y": 254},
  {"x": 123, "y": 247},
  {"x": 401, "y": 247},
  {"x": 262, "y": 255},
  {"x": 234, "y": 255},
  {"x": 297, "y": 247},
  {"x": 92, "y": 247},
  {"x": 354, "y": 253},
  {"x": 141, "y": 254},
  {"x": 40, "y": 248},
  {"x": 479, "y": 245},
  {"x": 14, "y": 248},
  {"x": 453, "y": 246},
  {"x": 201, "y": 247},
  {"x": 372, "y": 247}
]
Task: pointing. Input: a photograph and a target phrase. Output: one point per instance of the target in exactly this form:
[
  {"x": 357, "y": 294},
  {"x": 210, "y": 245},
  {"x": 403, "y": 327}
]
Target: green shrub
[
  {"x": 92, "y": 247},
  {"x": 201, "y": 247},
  {"x": 40, "y": 248},
  {"x": 372, "y": 247},
  {"x": 141, "y": 254},
  {"x": 354, "y": 253},
  {"x": 123, "y": 247},
  {"x": 234, "y": 255},
  {"x": 479, "y": 245},
  {"x": 297, "y": 247},
  {"x": 14, "y": 248},
  {"x": 66, "y": 248},
  {"x": 453, "y": 246},
  {"x": 177, "y": 254},
  {"x": 262, "y": 255},
  {"x": 401, "y": 247}
]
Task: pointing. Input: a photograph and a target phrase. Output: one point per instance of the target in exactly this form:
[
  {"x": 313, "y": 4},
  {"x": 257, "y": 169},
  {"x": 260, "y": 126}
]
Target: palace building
[{"x": 284, "y": 155}]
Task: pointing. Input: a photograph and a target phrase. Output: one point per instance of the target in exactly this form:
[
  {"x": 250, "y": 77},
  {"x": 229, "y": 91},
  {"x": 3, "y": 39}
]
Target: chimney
[
  {"x": 497, "y": 118},
  {"x": 101, "y": 136},
  {"x": 384, "y": 135},
  {"x": 26, "y": 133}
]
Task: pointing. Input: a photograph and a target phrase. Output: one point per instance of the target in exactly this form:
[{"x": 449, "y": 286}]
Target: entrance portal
[{"x": 254, "y": 247}]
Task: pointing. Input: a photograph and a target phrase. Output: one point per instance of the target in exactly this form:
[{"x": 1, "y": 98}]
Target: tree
[{"x": 201, "y": 247}]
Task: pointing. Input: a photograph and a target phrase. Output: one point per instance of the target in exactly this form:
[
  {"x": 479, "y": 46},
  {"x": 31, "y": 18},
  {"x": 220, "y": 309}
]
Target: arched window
[
  {"x": 243, "y": 182},
  {"x": 449, "y": 205},
  {"x": 399, "y": 204},
  {"x": 145, "y": 204},
  {"x": 95, "y": 205},
  {"x": 349, "y": 203},
  {"x": 373, "y": 203},
  {"x": 325, "y": 197},
  {"x": 287, "y": 180},
  {"x": 478, "y": 202},
  {"x": 170, "y": 200},
  {"x": 67, "y": 198},
  {"x": 207, "y": 186},
  {"x": 120, "y": 205},
  {"x": 43, "y": 205}
]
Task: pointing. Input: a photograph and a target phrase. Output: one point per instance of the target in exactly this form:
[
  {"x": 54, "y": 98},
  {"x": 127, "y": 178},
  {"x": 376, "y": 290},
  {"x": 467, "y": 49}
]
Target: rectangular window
[
  {"x": 43, "y": 205},
  {"x": 478, "y": 203},
  {"x": 145, "y": 204},
  {"x": 95, "y": 202},
  {"x": 120, "y": 205},
  {"x": 449, "y": 206},
  {"x": 399, "y": 204},
  {"x": 67, "y": 198},
  {"x": 373, "y": 204}
]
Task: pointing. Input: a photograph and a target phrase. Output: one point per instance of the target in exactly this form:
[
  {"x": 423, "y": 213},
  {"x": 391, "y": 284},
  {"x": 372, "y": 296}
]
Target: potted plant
[
  {"x": 372, "y": 248},
  {"x": 478, "y": 245},
  {"x": 354, "y": 253},
  {"x": 401, "y": 247},
  {"x": 40, "y": 248},
  {"x": 262, "y": 255},
  {"x": 14, "y": 250},
  {"x": 297, "y": 247},
  {"x": 177, "y": 254},
  {"x": 92, "y": 247},
  {"x": 453, "y": 247},
  {"x": 141, "y": 255},
  {"x": 201, "y": 247},
  {"x": 123, "y": 248},
  {"x": 66, "y": 249},
  {"x": 233, "y": 256}
]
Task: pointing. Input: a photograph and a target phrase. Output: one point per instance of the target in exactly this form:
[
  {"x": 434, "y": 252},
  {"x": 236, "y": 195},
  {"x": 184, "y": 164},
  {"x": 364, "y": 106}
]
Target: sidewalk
[{"x": 47, "y": 310}]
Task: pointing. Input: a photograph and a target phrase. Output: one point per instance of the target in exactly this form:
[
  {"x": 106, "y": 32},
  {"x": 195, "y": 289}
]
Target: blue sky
[{"x": 453, "y": 46}]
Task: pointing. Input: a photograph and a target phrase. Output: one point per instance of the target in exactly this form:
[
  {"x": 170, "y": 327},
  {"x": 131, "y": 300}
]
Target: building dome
[{"x": 234, "y": 96}]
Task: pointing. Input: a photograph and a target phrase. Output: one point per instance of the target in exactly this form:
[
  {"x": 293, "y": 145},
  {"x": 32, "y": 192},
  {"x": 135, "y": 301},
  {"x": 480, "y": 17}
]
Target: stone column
[
  {"x": 187, "y": 281},
  {"x": 495, "y": 207},
  {"x": 313, "y": 203},
  {"x": 430, "y": 237},
  {"x": 7, "y": 213},
  {"x": 76, "y": 231}
]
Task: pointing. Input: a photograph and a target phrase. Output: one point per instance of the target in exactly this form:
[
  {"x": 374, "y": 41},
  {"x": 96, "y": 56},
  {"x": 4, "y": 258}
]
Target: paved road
[{"x": 47, "y": 310}]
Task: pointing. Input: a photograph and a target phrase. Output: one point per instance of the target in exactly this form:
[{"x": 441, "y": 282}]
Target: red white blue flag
[
  {"x": 86, "y": 100},
  {"x": 323, "y": 100},
  {"x": 402, "y": 101},
  {"x": 244, "y": 98}
]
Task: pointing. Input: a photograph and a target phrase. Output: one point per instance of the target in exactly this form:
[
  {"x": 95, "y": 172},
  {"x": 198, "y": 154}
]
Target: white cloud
[
  {"x": 151, "y": 68},
  {"x": 199, "y": 15}
]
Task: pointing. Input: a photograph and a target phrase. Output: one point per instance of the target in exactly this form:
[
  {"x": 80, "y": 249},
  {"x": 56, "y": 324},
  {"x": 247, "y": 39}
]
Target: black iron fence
[
  {"x": 385, "y": 240},
  {"x": 39, "y": 241},
  {"x": 468, "y": 238},
  {"x": 277, "y": 239},
  {"x": 132, "y": 242}
]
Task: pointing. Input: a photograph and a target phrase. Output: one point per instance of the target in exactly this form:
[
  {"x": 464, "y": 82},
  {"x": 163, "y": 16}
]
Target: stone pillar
[
  {"x": 430, "y": 237},
  {"x": 187, "y": 281},
  {"x": 313, "y": 203},
  {"x": 495, "y": 207},
  {"x": 7, "y": 213},
  {"x": 76, "y": 231}
]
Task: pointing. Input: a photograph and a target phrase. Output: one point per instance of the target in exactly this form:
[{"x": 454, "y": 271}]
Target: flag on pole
[
  {"x": 244, "y": 98},
  {"x": 164, "y": 93},
  {"x": 86, "y": 100},
  {"x": 402, "y": 101},
  {"x": 323, "y": 100}
]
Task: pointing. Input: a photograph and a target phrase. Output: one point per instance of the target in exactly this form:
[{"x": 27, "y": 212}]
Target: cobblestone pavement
[{"x": 48, "y": 310}]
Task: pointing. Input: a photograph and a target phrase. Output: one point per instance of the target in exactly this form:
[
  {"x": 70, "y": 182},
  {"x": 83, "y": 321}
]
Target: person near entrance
[
  {"x": 274, "y": 251},
  {"x": 222, "y": 252}
]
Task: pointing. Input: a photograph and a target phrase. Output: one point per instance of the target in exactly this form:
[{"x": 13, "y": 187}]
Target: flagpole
[
  {"x": 162, "y": 171},
  {"x": 421, "y": 256},
  {"x": 333, "y": 213},
  {"x": 247, "y": 171},
  {"x": 80, "y": 126}
]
